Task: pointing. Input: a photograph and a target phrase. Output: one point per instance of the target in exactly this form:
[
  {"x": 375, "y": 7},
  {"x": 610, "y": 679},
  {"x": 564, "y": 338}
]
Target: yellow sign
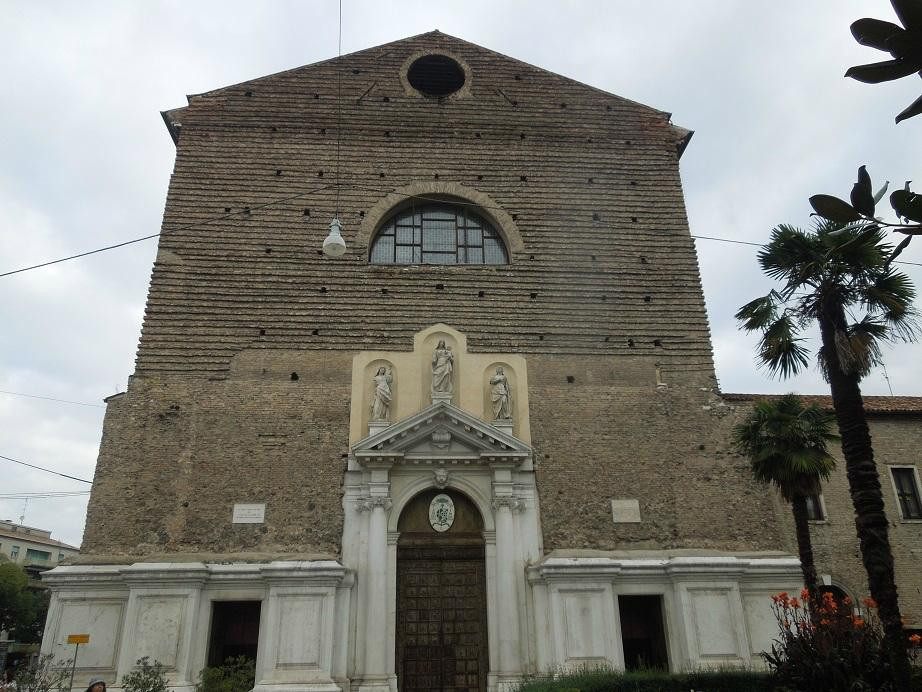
[{"x": 78, "y": 639}]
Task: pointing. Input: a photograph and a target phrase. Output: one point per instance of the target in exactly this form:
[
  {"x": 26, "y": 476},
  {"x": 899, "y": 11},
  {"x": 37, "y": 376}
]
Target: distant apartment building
[{"x": 31, "y": 547}]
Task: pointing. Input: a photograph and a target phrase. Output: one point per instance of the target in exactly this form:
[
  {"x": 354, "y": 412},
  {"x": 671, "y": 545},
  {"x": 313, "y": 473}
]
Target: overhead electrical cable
[
  {"x": 48, "y": 398},
  {"x": 56, "y": 473}
]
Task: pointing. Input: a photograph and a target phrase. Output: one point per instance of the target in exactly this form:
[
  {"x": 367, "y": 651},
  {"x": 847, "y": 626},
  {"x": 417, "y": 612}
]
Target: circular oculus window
[{"x": 436, "y": 75}]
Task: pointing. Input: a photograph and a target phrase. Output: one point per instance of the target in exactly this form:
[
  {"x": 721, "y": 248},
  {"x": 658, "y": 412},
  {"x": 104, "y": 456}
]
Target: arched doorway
[{"x": 441, "y": 595}]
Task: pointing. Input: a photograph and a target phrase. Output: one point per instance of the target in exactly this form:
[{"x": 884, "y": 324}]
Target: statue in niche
[
  {"x": 442, "y": 365},
  {"x": 382, "y": 397},
  {"x": 500, "y": 396}
]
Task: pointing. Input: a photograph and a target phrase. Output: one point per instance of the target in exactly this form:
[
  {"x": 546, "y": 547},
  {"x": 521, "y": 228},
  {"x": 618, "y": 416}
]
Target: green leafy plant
[
  {"x": 236, "y": 675},
  {"x": 146, "y": 677},
  {"x": 825, "y": 645},
  {"x": 608, "y": 680},
  {"x": 903, "y": 43},
  {"x": 44, "y": 675},
  {"x": 22, "y": 604}
]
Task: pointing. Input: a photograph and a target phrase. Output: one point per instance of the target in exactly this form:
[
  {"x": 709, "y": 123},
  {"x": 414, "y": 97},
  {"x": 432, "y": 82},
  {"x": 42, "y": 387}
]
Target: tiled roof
[
  {"x": 872, "y": 404},
  {"x": 27, "y": 538}
]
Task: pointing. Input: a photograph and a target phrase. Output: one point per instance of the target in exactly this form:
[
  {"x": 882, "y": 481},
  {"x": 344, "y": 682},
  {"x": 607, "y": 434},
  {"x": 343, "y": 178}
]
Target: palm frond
[
  {"x": 781, "y": 350},
  {"x": 790, "y": 252},
  {"x": 891, "y": 295},
  {"x": 757, "y": 314}
]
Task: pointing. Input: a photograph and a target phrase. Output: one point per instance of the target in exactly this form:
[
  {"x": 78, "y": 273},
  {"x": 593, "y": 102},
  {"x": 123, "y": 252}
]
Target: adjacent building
[{"x": 484, "y": 441}]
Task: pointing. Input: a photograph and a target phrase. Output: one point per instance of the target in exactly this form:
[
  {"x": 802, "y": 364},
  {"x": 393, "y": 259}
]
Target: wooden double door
[{"x": 441, "y": 613}]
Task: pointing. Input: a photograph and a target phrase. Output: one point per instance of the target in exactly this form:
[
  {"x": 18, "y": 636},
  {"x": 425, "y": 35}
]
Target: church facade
[{"x": 484, "y": 441}]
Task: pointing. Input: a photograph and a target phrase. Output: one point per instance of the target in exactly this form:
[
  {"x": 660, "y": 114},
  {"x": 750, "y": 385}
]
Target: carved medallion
[{"x": 441, "y": 513}]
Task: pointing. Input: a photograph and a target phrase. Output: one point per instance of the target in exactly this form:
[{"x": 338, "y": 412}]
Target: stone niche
[{"x": 412, "y": 381}]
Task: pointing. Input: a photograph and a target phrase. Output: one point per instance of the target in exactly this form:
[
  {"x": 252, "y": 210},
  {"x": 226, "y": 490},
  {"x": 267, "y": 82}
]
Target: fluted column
[
  {"x": 507, "y": 591},
  {"x": 375, "y": 673}
]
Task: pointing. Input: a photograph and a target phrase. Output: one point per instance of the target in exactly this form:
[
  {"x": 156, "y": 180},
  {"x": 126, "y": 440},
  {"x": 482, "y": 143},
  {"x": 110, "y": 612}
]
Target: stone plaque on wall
[
  {"x": 625, "y": 511},
  {"x": 249, "y": 513}
]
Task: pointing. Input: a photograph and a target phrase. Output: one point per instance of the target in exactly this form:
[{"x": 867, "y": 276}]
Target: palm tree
[
  {"x": 786, "y": 445},
  {"x": 827, "y": 275}
]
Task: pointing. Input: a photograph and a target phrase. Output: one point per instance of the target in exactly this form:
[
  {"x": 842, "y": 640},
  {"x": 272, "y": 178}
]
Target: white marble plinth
[
  {"x": 504, "y": 425},
  {"x": 376, "y": 426},
  {"x": 438, "y": 398}
]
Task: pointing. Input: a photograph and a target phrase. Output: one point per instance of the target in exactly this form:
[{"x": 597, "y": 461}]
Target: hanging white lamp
[{"x": 334, "y": 245}]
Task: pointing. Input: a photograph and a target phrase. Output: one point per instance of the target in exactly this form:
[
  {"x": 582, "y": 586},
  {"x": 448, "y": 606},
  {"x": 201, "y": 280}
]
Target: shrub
[
  {"x": 236, "y": 675},
  {"x": 146, "y": 677},
  {"x": 827, "y": 646},
  {"x": 602, "y": 680},
  {"x": 44, "y": 675}
]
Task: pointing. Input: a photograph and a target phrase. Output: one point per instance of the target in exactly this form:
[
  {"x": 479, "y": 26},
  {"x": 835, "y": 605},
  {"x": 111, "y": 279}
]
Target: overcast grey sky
[{"x": 86, "y": 161}]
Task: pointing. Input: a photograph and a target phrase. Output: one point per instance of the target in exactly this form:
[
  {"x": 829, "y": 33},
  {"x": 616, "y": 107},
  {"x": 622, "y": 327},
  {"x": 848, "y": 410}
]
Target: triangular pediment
[{"x": 441, "y": 433}]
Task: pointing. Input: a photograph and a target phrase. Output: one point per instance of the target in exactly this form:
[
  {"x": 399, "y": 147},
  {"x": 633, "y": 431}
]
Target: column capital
[
  {"x": 512, "y": 502},
  {"x": 370, "y": 502}
]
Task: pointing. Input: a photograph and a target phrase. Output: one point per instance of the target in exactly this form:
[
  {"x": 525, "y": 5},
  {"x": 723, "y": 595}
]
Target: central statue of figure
[{"x": 442, "y": 365}]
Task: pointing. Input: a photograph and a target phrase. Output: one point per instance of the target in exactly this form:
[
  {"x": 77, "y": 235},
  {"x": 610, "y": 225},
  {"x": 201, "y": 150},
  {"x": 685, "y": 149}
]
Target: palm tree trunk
[
  {"x": 864, "y": 485},
  {"x": 805, "y": 547}
]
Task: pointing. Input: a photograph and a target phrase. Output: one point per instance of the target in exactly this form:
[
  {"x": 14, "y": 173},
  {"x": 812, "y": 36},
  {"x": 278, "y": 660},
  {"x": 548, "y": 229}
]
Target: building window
[
  {"x": 815, "y": 508},
  {"x": 907, "y": 491},
  {"x": 33, "y": 555},
  {"x": 438, "y": 234},
  {"x": 234, "y": 631},
  {"x": 14, "y": 553}
]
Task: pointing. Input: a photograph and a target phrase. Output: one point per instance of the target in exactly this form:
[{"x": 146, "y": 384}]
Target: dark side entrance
[{"x": 441, "y": 597}]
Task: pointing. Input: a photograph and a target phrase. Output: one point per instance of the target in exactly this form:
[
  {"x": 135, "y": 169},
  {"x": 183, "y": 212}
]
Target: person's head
[
  {"x": 441, "y": 343},
  {"x": 499, "y": 371},
  {"x": 96, "y": 685},
  {"x": 382, "y": 370}
]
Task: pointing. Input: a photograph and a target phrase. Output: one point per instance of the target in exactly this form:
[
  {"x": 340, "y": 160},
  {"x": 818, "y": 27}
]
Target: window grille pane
[
  {"x": 443, "y": 215},
  {"x": 440, "y": 258},
  {"x": 382, "y": 252},
  {"x": 474, "y": 236},
  {"x": 404, "y": 235},
  {"x": 438, "y": 239},
  {"x": 404, "y": 254},
  {"x": 475, "y": 255},
  {"x": 493, "y": 252}
]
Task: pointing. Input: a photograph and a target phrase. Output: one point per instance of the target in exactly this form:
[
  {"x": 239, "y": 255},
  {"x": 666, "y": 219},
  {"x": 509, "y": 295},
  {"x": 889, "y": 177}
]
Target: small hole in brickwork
[
  {"x": 647, "y": 299},
  {"x": 440, "y": 287},
  {"x": 246, "y": 210},
  {"x": 515, "y": 103},
  {"x": 607, "y": 339},
  {"x": 311, "y": 506},
  {"x": 628, "y": 142},
  {"x": 479, "y": 177},
  {"x": 307, "y": 212},
  {"x": 592, "y": 257},
  {"x": 700, "y": 446},
  {"x": 515, "y": 217},
  {"x": 534, "y": 295},
  {"x": 436, "y": 176},
  {"x": 268, "y": 250},
  {"x": 249, "y": 93},
  {"x": 596, "y": 217},
  {"x": 633, "y": 219},
  {"x": 604, "y": 297},
  {"x": 563, "y": 105},
  {"x": 386, "y": 99},
  {"x": 361, "y": 215},
  {"x": 476, "y": 135},
  {"x": 634, "y": 183},
  {"x": 522, "y": 135},
  {"x": 323, "y": 130},
  {"x": 274, "y": 128},
  {"x": 588, "y": 140},
  {"x": 320, "y": 252},
  {"x": 185, "y": 504},
  {"x": 523, "y": 178},
  {"x": 319, "y": 174},
  {"x": 343, "y": 455},
  {"x": 323, "y": 289},
  {"x": 643, "y": 259},
  {"x": 570, "y": 379},
  {"x": 315, "y": 332},
  {"x": 657, "y": 342},
  {"x": 387, "y": 134},
  {"x": 630, "y": 343},
  {"x": 316, "y": 96},
  {"x": 294, "y": 377},
  {"x": 608, "y": 108},
  {"x": 517, "y": 78},
  {"x": 381, "y": 174},
  {"x": 531, "y": 257},
  {"x": 591, "y": 180},
  {"x": 540, "y": 337},
  {"x": 227, "y": 209},
  {"x": 383, "y": 291},
  {"x": 355, "y": 71},
  {"x": 480, "y": 294},
  {"x": 278, "y": 171}
]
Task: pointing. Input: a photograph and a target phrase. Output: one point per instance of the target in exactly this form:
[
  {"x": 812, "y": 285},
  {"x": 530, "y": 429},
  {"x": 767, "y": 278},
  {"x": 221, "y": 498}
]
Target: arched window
[{"x": 439, "y": 233}]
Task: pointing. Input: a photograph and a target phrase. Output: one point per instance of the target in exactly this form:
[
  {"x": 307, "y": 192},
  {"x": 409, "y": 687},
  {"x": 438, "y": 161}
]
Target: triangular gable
[
  {"x": 441, "y": 433},
  {"x": 438, "y": 40}
]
